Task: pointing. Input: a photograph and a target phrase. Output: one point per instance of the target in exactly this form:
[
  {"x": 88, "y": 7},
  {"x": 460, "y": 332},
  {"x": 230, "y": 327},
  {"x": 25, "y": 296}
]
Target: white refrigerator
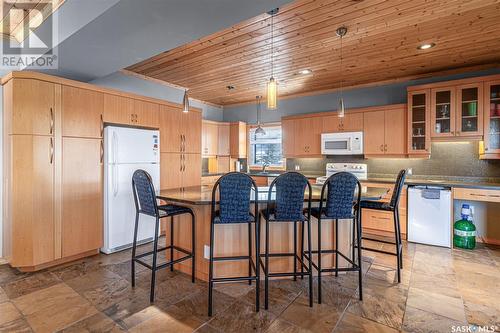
[{"x": 126, "y": 150}]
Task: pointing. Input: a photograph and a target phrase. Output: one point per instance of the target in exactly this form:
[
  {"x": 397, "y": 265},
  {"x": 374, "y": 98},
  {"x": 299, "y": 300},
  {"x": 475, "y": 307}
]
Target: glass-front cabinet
[
  {"x": 443, "y": 112},
  {"x": 418, "y": 122},
  {"x": 469, "y": 118},
  {"x": 492, "y": 118}
]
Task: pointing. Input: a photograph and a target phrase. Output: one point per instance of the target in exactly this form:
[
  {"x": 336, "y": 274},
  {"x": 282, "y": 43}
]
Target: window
[{"x": 266, "y": 148}]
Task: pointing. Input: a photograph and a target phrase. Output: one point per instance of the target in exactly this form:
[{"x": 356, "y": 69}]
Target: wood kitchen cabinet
[
  {"x": 170, "y": 129},
  {"x": 191, "y": 129},
  {"x": 238, "y": 139},
  {"x": 469, "y": 106},
  {"x": 491, "y": 145},
  {"x": 385, "y": 132},
  {"x": 288, "y": 137},
  {"x": 81, "y": 195},
  {"x": 443, "y": 112},
  {"x": 224, "y": 148},
  {"x": 34, "y": 109},
  {"x": 210, "y": 138},
  {"x": 118, "y": 109},
  {"x": 179, "y": 170},
  {"x": 145, "y": 114},
  {"x": 419, "y": 140},
  {"x": 82, "y": 112},
  {"x": 308, "y": 136},
  {"x": 351, "y": 122}
]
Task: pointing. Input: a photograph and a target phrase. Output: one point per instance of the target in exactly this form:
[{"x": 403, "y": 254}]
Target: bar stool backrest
[
  {"x": 398, "y": 188},
  {"x": 341, "y": 188},
  {"x": 234, "y": 197},
  {"x": 144, "y": 193},
  {"x": 290, "y": 192}
]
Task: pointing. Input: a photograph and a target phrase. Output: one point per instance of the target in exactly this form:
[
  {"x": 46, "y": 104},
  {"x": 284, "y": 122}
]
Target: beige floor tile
[
  {"x": 54, "y": 308},
  {"x": 96, "y": 323},
  {"x": 419, "y": 321},
  {"x": 8, "y": 313},
  {"x": 354, "y": 324},
  {"x": 30, "y": 284},
  {"x": 380, "y": 309},
  {"x": 169, "y": 320},
  {"x": 319, "y": 318},
  {"x": 283, "y": 326},
  {"x": 17, "y": 326},
  {"x": 389, "y": 274},
  {"x": 3, "y": 296},
  {"x": 439, "y": 304},
  {"x": 435, "y": 284},
  {"x": 479, "y": 314}
]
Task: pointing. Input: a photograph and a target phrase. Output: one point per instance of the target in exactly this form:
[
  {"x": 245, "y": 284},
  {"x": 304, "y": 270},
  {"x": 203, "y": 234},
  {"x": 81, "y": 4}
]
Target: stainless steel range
[{"x": 357, "y": 169}]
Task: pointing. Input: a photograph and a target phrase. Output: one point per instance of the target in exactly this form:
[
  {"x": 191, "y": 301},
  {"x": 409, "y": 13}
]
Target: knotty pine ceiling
[{"x": 380, "y": 47}]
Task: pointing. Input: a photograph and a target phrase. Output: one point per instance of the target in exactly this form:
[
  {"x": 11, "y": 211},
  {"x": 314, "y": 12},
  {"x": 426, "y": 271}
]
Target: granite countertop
[
  {"x": 202, "y": 195},
  {"x": 265, "y": 174}
]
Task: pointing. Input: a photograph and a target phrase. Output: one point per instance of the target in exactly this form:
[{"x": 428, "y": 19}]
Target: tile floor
[{"x": 441, "y": 289}]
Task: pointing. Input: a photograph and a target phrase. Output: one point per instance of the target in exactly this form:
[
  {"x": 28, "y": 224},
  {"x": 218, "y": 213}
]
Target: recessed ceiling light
[
  {"x": 305, "y": 71},
  {"x": 426, "y": 46},
  {"x": 230, "y": 87}
]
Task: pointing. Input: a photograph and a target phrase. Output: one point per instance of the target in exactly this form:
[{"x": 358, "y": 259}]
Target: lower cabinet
[
  {"x": 179, "y": 170},
  {"x": 81, "y": 195}
]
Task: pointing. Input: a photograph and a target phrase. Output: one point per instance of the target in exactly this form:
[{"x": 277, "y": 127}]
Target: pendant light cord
[
  {"x": 341, "y": 67},
  {"x": 272, "y": 45}
]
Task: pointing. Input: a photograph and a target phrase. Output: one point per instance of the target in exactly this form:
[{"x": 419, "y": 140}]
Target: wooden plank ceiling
[
  {"x": 380, "y": 47},
  {"x": 16, "y": 13}
]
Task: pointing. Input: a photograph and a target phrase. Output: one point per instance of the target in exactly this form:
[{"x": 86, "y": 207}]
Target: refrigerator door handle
[
  {"x": 114, "y": 146},
  {"x": 115, "y": 180}
]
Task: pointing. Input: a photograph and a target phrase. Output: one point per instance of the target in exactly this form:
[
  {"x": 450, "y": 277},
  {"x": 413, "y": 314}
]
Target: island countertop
[{"x": 202, "y": 195}]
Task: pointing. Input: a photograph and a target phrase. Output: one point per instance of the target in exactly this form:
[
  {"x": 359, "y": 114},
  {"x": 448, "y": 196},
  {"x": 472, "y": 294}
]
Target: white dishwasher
[{"x": 429, "y": 215}]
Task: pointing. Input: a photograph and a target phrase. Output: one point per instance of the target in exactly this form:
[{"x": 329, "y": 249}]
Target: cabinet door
[
  {"x": 288, "y": 137},
  {"x": 331, "y": 124},
  {"x": 170, "y": 170},
  {"x": 32, "y": 200},
  {"x": 352, "y": 122},
  {"x": 374, "y": 128},
  {"x": 492, "y": 117},
  {"x": 308, "y": 136},
  {"x": 223, "y": 140},
  {"x": 191, "y": 174},
  {"x": 443, "y": 112},
  {"x": 210, "y": 133},
  {"x": 82, "y": 198},
  {"x": 118, "y": 109},
  {"x": 191, "y": 129},
  {"x": 32, "y": 107},
  {"x": 395, "y": 132},
  {"x": 238, "y": 140},
  {"x": 170, "y": 129},
  {"x": 146, "y": 114},
  {"x": 469, "y": 118},
  {"x": 223, "y": 164},
  {"x": 419, "y": 122},
  {"x": 82, "y": 112}
]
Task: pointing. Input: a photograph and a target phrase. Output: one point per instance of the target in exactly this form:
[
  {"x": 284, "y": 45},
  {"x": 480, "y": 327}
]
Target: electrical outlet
[
  {"x": 409, "y": 171},
  {"x": 206, "y": 252},
  {"x": 297, "y": 167}
]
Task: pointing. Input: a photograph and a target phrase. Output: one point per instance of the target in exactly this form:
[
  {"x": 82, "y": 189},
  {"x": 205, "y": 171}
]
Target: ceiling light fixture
[
  {"x": 185, "y": 102},
  {"x": 272, "y": 85},
  {"x": 305, "y": 71},
  {"x": 259, "y": 130},
  {"x": 426, "y": 46},
  {"x": 341, "y": 32}
]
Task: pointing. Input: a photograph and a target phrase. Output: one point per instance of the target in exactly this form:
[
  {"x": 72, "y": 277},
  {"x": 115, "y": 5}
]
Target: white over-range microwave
[{"x": 343, "y": 143}]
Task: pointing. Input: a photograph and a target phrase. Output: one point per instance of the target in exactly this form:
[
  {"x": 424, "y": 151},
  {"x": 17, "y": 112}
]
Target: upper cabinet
[
  {"x": 191, "y": 131},
  {"x": 82, "y": 112},
  {"x": 351, "y": 122},
  {"x": 469, "y": 119},
  {"x": 145, "y": 114},
  {"x": 179, "y": 132},
  {"x": 238, "y": 140},
  {"x": 118, "y": 109},
  {"x": 34, "y": 110},
  {"x": 491, "y": 147},
  {"x": 419, "y": 140},
  {"x": 223, "y": 139},
  {"x": 443, "y": 112},
  {"x": 308, "y": 136},
  {"x": 385, "y": 132},
  {"x": 210, "y": 138},
  {"x": 288, "y": 137}
]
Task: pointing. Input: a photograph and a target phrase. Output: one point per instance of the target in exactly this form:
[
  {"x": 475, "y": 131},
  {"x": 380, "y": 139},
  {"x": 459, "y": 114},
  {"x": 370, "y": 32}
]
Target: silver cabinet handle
[
  {"x": 101, "y": 158},
  {"x": 102, "y": 126},
  {"x": 51, "y": 151},
  {"x": 51, "y": 121},
  {"x": 180, "y": 162}
]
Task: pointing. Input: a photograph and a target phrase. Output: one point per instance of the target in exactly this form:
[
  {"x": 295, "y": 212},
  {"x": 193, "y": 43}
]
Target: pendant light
[
  {"x": 272, "y": 85},
  {"x": 185, "y": 102},
  {"x": 259, "y": 130},
  {"x": 341, "y": 31}
]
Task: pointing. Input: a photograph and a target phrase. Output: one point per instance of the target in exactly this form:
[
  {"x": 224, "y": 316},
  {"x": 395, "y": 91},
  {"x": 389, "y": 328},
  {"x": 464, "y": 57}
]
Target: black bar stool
[
  {"x": 145, "y": 203},
  {"x": 289, "y": 207},
  {"x": 343, "y": 194},
  {"x": 234, "y": 191},
  {"x": 391, "y": 206}
]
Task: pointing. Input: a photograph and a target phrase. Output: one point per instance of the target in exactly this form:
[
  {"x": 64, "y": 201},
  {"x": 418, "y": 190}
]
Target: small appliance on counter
[
  {"x": 342, "y": 143},
  {"x": 429, "y": 215},
  {"x": 358, "y": 169}
]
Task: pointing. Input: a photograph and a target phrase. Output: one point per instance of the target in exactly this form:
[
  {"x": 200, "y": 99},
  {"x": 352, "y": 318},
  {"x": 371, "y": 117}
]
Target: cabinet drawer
[
  {"x": 378, "y": 220},
  {"x": 209, "y": 180},
  {"x": 476, "y": 194}
]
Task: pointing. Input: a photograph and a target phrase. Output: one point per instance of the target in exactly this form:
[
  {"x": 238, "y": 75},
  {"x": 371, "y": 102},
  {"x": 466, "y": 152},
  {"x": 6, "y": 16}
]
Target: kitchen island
[{"x": 232, "y": 239}]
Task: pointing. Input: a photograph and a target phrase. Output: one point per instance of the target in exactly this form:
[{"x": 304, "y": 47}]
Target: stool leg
[
  {"x": 319, "y": 260},
  {"x": 397, "y": 245},
  {"x": 295, "y": 250},
  {"x": 172, "y": 242},
  {"x": 354, "y": 240},
  {"x": 257, "y": 262},
  {"x": 249, "y": 252},
  {"x": 336, "y": 247},
  {"x": 302, "y": 251},
  {"x": 309, "y": 250},
  {"x": 266, "y": 277},
  {"x": 134, "y": 246},
  {"x": 193, "y": 247},
  {"x": 358, "y": 236},
  {"x": 400, "y": 241},
  {"x": 153, "y": 270},
  {"x": 211, "y": 269}
]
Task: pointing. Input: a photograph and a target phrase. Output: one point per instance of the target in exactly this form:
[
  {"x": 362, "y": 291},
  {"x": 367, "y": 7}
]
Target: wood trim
[
  {"x": 58, "y": 262},
  {"x": 88, "y": 86},
  {"x": 58, "y": 172},
  {"x": 356, "y": 110},
  {"x": 475, "y": 194}
]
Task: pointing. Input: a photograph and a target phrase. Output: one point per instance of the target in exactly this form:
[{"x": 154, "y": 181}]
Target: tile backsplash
[{"x": 448, "y": 160}]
